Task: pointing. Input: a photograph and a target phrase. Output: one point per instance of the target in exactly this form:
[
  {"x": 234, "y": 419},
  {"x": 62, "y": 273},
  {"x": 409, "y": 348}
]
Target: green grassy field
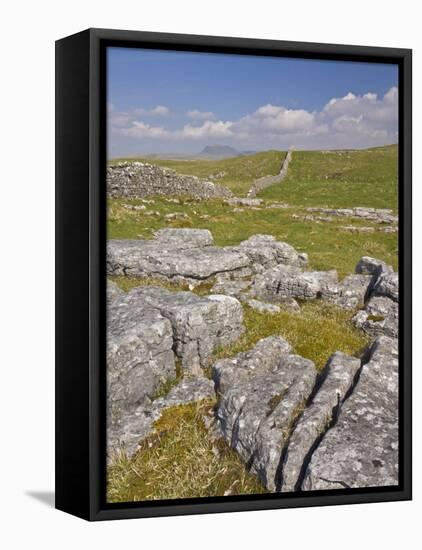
[
  {"x": 182, "y": 460},
  {"x": 340, "y": 179}
]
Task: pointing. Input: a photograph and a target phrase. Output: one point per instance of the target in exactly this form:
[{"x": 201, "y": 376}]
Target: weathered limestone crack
[{"x": 361, "y": 448}]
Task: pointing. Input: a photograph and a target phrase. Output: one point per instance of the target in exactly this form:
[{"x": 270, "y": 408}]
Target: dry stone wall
[
  {"x": 266, "y": 181},
  {"x": 138, "y": 180}
]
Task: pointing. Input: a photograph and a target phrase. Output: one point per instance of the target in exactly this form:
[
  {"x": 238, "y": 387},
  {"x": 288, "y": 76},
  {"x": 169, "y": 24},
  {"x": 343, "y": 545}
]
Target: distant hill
[{"x": 219, "y": 151}]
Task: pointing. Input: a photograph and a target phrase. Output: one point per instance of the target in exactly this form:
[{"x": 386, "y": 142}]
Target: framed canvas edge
[{"x": 97, "y": 509}]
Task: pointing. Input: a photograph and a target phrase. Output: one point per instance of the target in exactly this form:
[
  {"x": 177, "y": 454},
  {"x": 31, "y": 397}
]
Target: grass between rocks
[
  {"x": 237, "y": 173},
  {"x": 328, "y": 245},
  {"x": 316, "y": 332},
  {"x": 180, "y": 460}
]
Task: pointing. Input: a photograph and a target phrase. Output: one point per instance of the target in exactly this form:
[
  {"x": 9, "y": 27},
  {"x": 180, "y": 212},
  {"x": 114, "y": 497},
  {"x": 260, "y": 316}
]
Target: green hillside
[{"x": 340, "y": 179}]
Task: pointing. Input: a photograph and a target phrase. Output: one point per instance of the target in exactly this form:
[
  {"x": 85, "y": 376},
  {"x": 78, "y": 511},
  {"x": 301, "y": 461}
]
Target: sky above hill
[{"x": 178, "y": 102}]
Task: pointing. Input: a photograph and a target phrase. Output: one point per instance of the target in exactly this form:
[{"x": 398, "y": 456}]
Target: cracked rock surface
[
  {"x": 361, "y": 450},
  {"x": 139, "y": 355},
  {"x": 199, "y": 324},
  {"x": 285, "y": 281},
  {"x": 340, "y": 373},
  {"x": 261, "y": 392}
]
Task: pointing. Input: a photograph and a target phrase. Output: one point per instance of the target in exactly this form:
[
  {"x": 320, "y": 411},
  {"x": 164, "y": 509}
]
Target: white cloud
[
  {"x": 159, "y": 110},
  {"x": 349, "y": 121},
  {"x": 200, "y": 115},
  {"x": 208, "y": 129}
]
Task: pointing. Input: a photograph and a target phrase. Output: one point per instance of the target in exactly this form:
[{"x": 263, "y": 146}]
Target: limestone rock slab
[
  {"x": 341, "y": 371},
  {"x": 361, "y": 450}
]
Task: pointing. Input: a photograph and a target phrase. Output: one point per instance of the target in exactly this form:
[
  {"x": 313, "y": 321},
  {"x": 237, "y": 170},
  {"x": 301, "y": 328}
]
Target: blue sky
[{"x": 178, "y": 102}]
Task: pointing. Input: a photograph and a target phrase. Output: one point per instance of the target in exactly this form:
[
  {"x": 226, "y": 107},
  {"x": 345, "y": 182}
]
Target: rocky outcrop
[
  {"x": 361, "y": 450},
  {"x": 266, "y": 181},
  {"x": 130, "y": 430},
  {"x": 298, "y": 430},
  {"x": 379, "y": 215},
  {"x": 261, "y": 393},
  {"x": 187, "y": 255},
  {"x": 138, "y": 179},
  {"x": 242, "y": 201},
  {"x": 372, "y": 278},
  {"x": 147, "y": 330}
]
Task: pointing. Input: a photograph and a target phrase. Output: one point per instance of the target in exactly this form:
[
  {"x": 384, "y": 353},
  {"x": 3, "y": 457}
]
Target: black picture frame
[{"x": 81, "y": 279}]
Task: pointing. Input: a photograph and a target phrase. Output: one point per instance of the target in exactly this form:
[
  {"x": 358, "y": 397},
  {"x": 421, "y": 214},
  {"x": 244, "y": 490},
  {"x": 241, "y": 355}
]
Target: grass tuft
[{"x": 182, "y": 460}]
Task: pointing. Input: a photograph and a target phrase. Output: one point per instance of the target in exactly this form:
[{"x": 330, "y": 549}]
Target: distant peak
[{"x": 219, "y": 151}]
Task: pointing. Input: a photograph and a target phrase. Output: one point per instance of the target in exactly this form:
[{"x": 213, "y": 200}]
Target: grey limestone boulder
[
  {"x": 265, "y": 251},
  {"x": 139, "y": 355},
  {"x": 230, "y": 287},
  {"x": 361, "y": 449},
  {"x": 387, "y": 285},
  {"x": 284, "y": 281},
  {"x": 258, "y": 360},
  {"x": 350, "y": 293},
  {"x": 162, "y": 259},
  {"x": 199, "y": 324},
  {"x": 188, "y": 256},
  {"x": 184, "y": 238}
]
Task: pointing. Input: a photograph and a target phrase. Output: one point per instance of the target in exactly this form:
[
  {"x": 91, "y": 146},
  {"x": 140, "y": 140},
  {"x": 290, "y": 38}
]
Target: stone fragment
[
  {"x": 230, "y": 287},
  {"x": 387, "y": 285},
  {"x": 183, "y": 238},
  {"x": 258, "y": 360},
  {"x": 350, "y": 293},
  {"x": 361, "y": 449},
  {"x": 340, "y": 374},
  {"x": 265, "y": 251},
  {"x": 379, "y": 215},
  {"x": 240, "y": 201},
  {"x": 371, "y": 266},
  {"x": 380, "y": 317}
]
